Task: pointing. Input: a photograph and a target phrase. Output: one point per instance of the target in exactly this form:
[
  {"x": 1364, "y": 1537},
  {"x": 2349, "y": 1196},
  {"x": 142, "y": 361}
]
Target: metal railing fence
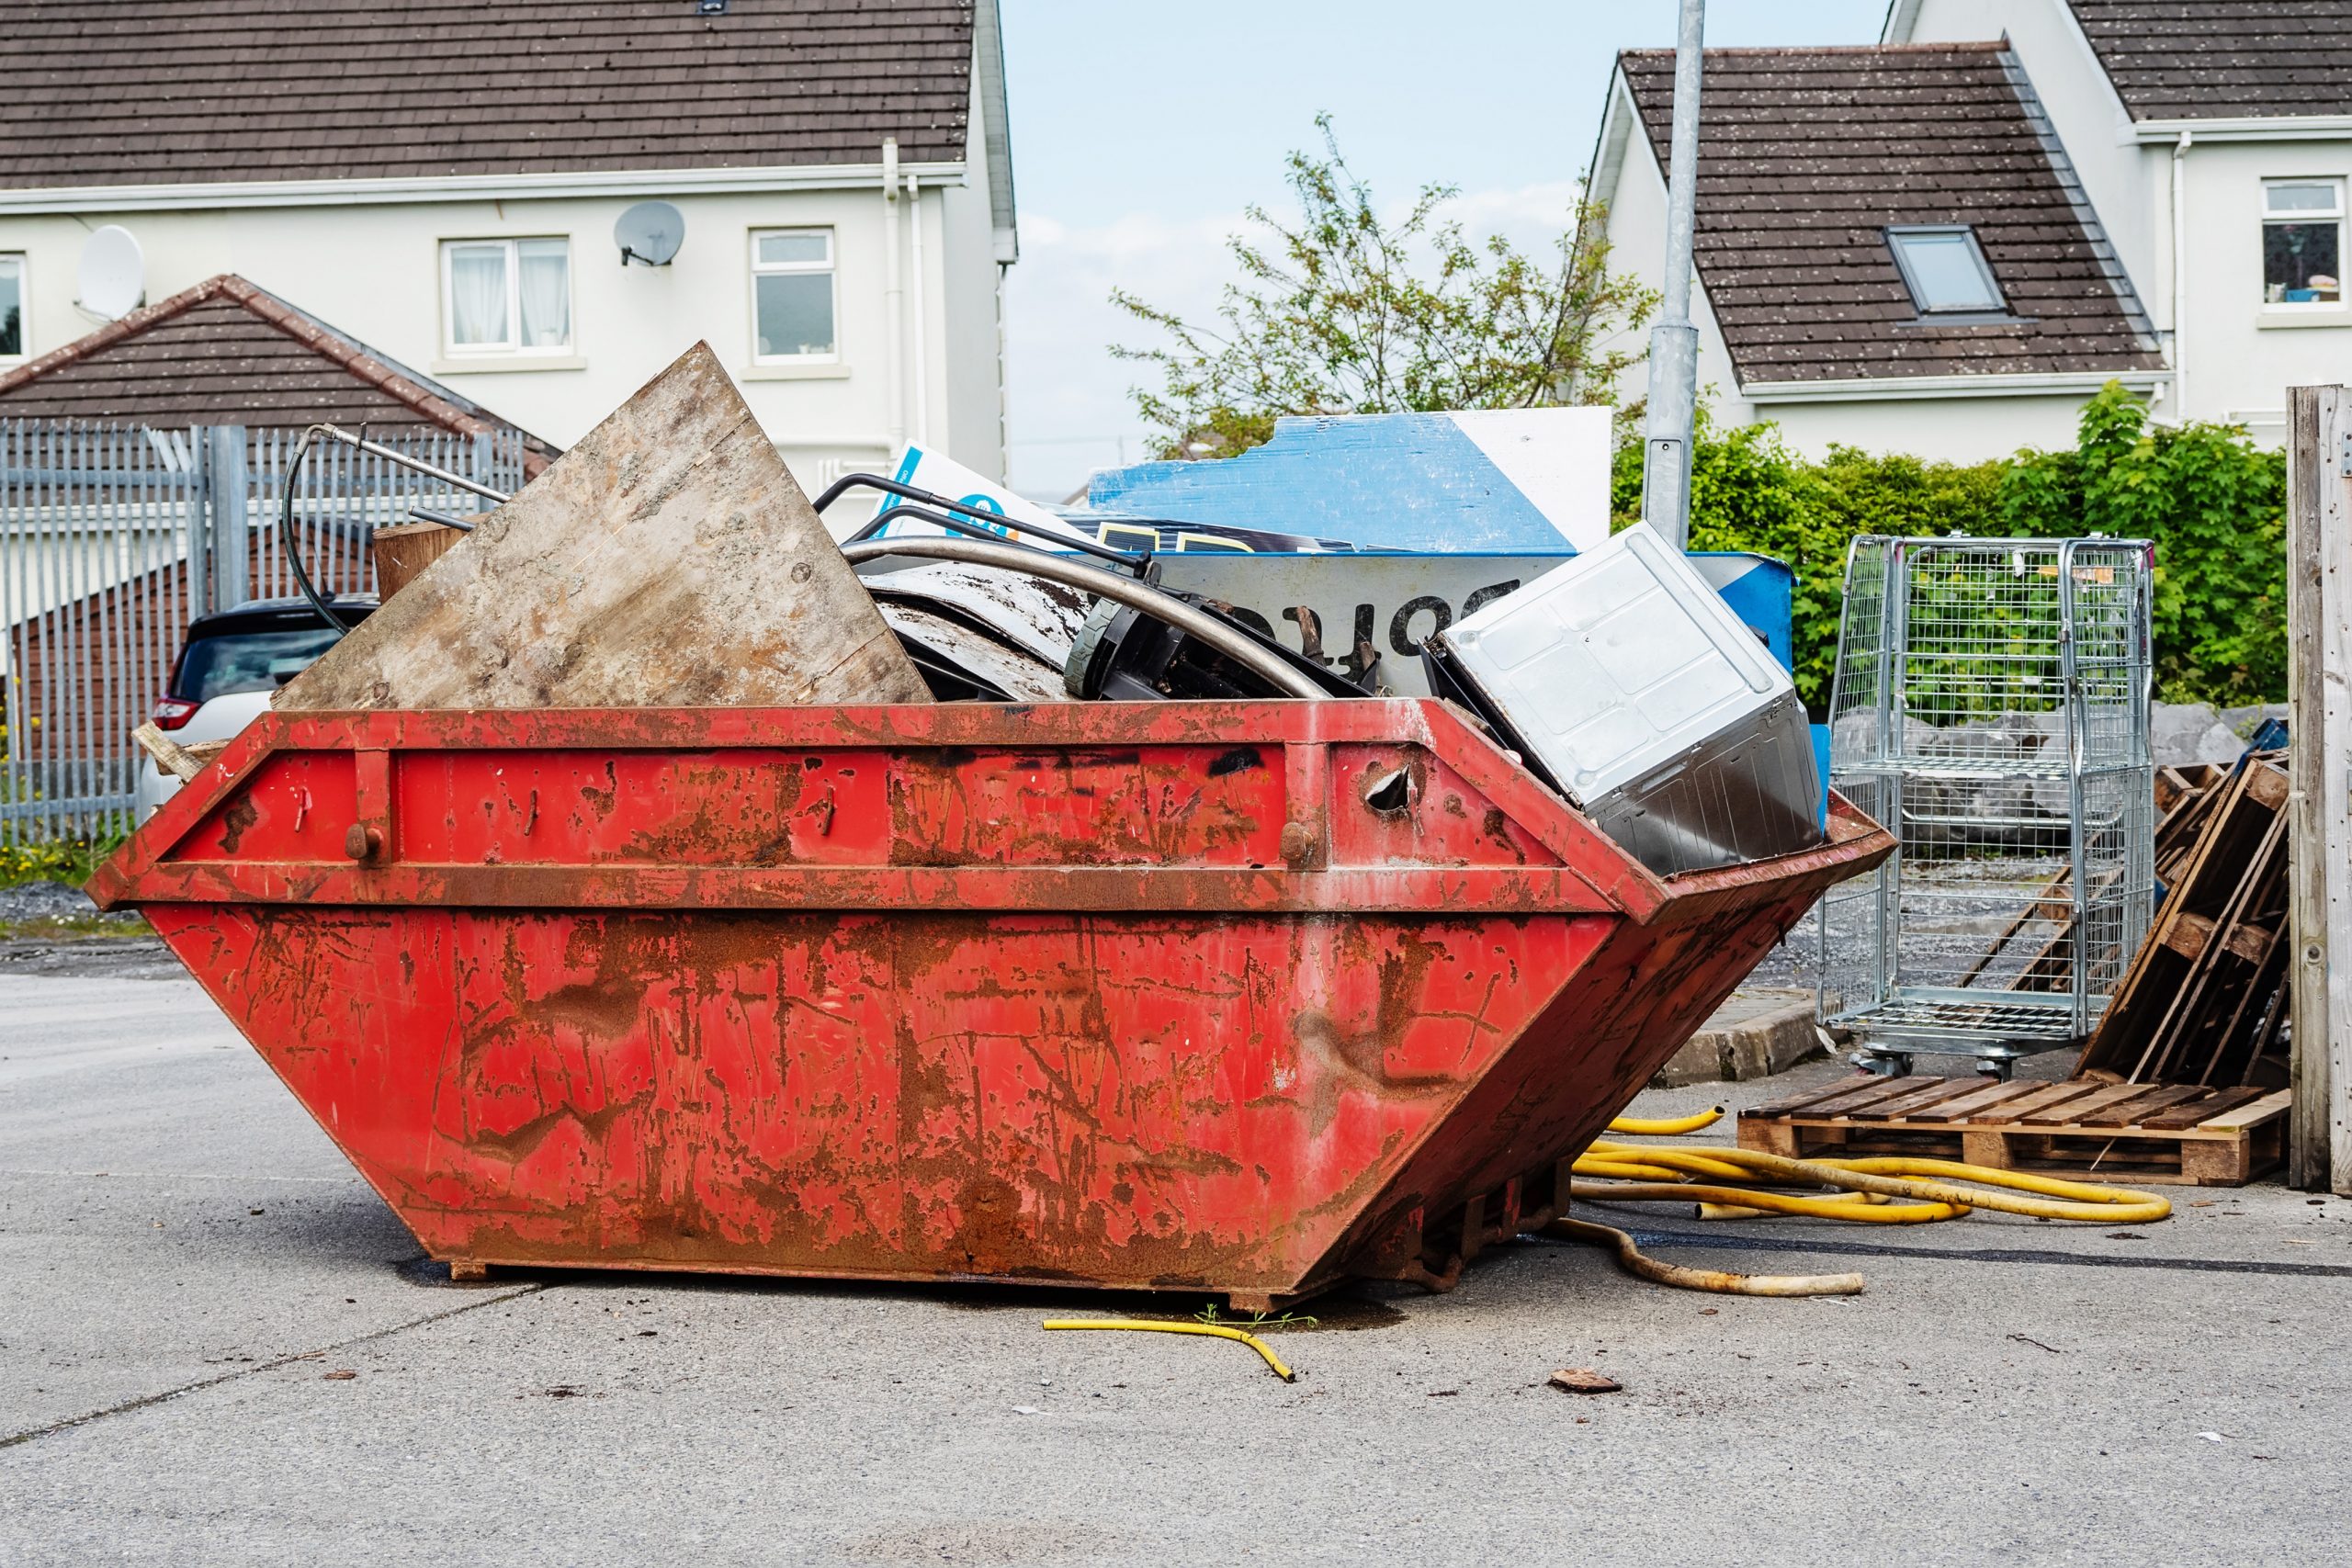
[{"x": 113, "y": 537}]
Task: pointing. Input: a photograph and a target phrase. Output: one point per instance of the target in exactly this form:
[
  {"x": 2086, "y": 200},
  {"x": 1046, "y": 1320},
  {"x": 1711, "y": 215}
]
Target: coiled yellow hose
[
  {"x": 1731, "y": 1183},
  {"x": 2049, "y": 1197}
]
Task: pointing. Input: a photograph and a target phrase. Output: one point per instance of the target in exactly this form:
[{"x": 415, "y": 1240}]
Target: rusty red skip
[{"x": 1240, "y": 998}]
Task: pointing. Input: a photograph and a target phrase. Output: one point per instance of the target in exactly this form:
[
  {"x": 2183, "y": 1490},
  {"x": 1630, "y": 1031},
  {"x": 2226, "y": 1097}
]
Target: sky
[{"x": 1140, "y": 132}]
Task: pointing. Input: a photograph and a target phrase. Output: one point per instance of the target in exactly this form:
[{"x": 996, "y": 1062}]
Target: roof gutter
[
  {"x": 33, "y": 201},
  {"x": 2248, "y": 128},
  {"x": 1897, "y": 389}
]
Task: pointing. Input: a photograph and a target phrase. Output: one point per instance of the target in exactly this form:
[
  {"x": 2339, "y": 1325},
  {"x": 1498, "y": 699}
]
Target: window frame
[
  {"x": 514, "y": 347},
  {"x": 24, "y": 306},
  {"x": 830, "y": 268},
  {"x": 1951, "y": 315},
  {"x": 2341, "y": 216}
]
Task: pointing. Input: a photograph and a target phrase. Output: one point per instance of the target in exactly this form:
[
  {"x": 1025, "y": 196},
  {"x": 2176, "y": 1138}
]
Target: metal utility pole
[{"x": 1674, "y": 342}]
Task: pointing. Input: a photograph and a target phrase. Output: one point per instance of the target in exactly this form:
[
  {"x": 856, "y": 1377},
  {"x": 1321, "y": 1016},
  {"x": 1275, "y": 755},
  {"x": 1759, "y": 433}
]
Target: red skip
[{"x": 1247, "y": 998}]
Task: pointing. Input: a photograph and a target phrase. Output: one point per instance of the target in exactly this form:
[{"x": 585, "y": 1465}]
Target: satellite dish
[
  {"x": 651, "y": 232},
  {"x": 113, "y": 275}
]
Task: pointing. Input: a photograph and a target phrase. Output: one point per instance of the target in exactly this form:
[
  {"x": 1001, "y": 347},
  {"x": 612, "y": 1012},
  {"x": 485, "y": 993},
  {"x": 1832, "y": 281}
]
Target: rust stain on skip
[{"x": 1073, "y": 995}]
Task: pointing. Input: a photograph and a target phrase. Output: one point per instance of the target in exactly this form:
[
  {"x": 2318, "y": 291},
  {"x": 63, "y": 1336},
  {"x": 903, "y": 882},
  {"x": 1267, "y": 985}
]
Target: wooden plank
[
  {"x": 1803, "y": 1097},
  {"x": 2319, "y": 669},
  {"x": 2189, "y": 1112},
  {"x": 2250, "y": 942},
  {"x": 2216, "y": 1163},
  {"x": 2267, "y": 787},
  {"x": 2187, "y": 934},
  {"x": 2252, "y": 1115},
  {"x": 1988, "y": 1150},
  {"x": 667, "y": 559},
  {"x": 2061, "y": 1113},
  {"x": 2192, "y": 1158},
  {"x": 1933, "y": 1092},
  {"x": 1850, "y": 1095},
  {"x": 1989, "y": 1100},
  {"x": 2172, "y": 788},
  {"x": 403, "y": 551},
  {"x": 2043, "y": 1098},
  {"x": 2131, "y": 1113}
]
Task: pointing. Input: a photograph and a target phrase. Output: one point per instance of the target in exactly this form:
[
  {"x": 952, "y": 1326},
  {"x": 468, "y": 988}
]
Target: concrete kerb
[{"x": 1757, "y": 1032}]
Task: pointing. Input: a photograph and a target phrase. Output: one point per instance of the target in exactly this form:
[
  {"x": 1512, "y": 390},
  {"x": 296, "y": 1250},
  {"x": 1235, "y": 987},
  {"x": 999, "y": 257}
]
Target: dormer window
[{"x": 1946, "y": 271}]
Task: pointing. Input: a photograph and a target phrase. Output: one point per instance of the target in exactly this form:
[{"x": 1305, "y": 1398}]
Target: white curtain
[
  {"x": 478, "y": 295},
  {"x": 545, "y": 289}
]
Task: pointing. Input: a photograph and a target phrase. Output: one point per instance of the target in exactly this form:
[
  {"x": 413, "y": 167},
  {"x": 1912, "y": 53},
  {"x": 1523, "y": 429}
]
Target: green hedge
[{"x": 2214, "y": 501}]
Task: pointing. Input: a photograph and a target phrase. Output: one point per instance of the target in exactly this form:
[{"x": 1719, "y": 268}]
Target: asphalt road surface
[{"x": 217, "y": 1347}]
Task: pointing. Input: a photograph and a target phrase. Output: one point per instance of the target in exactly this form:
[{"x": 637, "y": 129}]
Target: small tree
[{"x": 1346, "y": 313}]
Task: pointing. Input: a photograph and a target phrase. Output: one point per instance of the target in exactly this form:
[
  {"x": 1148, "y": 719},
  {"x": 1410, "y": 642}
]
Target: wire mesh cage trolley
[{"x": 1990, "y": 704}]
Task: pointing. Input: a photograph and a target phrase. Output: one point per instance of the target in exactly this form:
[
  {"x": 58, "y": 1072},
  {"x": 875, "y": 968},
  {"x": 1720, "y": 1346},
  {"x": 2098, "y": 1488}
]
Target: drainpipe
[
  {"x": 893, "y": 296},
  {"x": 922, "y": 349},
  {"x": 1674, "y": 342},
  {"x": 2181, "y": 280}
]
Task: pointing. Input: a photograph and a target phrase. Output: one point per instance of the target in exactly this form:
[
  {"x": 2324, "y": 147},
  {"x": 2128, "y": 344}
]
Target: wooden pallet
[
  {"x": 2174, "y": 1134},
  {"x": 2197, "y": 1004}
]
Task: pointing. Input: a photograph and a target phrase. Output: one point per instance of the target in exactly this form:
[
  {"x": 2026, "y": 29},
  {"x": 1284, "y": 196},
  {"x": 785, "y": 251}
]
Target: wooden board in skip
[{"x": 668, "y": 559}]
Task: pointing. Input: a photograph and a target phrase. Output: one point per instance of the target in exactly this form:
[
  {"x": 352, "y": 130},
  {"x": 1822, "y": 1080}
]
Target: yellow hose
[
  {"x": 2061, "y": 1199},
  {"x": 1692, "y": 1162},
  {"x": 1648, "y": 1173},
  {"x": 1755, "y": 1200},
  {"x": 2058, "y": 1199},
  {"x": 1668, "y": 1126},
  {"x": 1217, "y": 1331},
  {"x": 1740, "y": 1211},
  {"x": 1633, "y": 1261}
]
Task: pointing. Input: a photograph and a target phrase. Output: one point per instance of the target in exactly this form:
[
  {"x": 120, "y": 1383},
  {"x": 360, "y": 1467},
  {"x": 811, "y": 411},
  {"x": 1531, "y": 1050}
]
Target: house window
[
  {"x": 792, "y": 295},
  {"x": 12, "y": 307},
  {"x": 2302, "y": 242},
  {"x": 1946, "y": 271},
  {"x": 507, "y": 296}
]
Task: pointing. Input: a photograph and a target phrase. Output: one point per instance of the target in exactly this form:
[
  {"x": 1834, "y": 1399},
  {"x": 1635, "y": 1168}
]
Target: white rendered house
[
  {"x": 1944, "y": 244},
  {"x": 443, "y": 183}
]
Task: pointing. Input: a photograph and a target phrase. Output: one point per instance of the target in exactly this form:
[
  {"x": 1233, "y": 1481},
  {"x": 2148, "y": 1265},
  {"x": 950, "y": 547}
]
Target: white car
[{"x": 227, "y": 669}]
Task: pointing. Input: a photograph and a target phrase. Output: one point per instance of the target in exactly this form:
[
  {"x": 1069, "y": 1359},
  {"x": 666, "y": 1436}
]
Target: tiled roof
[
  {"x": 227, "y": 352},
  {"x": 2223, "y": 59},
  {"x": 1806, "y": 156},
  {"x": 177, "y": 91}
]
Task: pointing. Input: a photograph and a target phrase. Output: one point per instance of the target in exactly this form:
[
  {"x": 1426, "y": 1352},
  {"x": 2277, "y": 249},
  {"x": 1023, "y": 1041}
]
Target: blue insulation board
[{"x": 1403, "y": 481}]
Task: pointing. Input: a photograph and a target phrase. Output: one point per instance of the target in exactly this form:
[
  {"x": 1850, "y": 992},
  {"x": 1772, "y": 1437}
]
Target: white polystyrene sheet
[
  {"x": 1617, "y": 662},
  {"x": 1559, "y": 459}
]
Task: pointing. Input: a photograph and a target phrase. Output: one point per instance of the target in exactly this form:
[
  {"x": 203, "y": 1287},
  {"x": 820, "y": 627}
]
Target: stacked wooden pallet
[
  {"x": 2205, "y": 998},
  {"x": 2141, "y": 1132}
]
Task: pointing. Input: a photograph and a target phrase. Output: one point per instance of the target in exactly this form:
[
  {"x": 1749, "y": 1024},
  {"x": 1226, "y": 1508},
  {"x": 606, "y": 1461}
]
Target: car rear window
[{"x": 247, "y": 662}]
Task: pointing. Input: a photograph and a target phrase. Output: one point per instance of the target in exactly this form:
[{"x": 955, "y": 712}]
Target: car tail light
[{"x": 172, "y": 712}]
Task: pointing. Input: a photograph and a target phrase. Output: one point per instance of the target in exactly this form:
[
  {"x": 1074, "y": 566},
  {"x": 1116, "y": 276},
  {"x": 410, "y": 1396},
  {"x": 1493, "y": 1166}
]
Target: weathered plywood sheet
[{"x": 668, "y": 559}]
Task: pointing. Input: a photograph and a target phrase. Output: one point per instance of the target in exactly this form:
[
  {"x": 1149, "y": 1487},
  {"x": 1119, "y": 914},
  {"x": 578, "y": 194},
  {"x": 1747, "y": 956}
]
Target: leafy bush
[
  {"x": 2216, "y": 506},
  {"x": 2214, "y": 503}
]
